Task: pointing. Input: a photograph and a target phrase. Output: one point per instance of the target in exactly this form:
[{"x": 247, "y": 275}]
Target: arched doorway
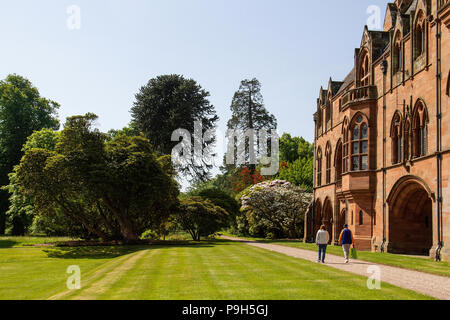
[
  {"x": 327, "y": 218},
  {"x": 410, "y": 218}
]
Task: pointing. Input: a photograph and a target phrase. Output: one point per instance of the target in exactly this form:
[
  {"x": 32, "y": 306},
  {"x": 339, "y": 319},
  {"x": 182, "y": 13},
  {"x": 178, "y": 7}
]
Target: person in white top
[{"x": 322, "y": 239}]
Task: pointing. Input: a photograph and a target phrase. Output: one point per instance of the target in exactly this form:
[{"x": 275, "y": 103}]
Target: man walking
[
  {"x": 346, "y": 240},
  {"x": 322, "y": 239}
]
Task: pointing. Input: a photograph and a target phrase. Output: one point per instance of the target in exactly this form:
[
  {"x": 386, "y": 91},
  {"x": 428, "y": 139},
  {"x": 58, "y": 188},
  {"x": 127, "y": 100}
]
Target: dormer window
[
  {"x": 397, "y": 58},
  {"x": 328, "y": 109},
  {"x": 364, "y": 75},
  {"x": 419, "y": 36},
  {"x": 319, "y": 121}
]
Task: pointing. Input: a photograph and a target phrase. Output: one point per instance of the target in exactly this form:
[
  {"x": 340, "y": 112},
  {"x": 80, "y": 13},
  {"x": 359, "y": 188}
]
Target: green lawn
[
  {"x": 195, "y": 271},
  {"x": 401, "y": 261},
  {"x": 14, "y": 242}
]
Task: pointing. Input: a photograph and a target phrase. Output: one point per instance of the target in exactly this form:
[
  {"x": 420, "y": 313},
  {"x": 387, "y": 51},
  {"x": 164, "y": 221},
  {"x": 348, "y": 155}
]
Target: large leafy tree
[
  {"x": 170, "y": 102},
  {"x": 222, "y": 199},
  {"x": 22, "y": 111},
  {"x": 115, "y": 188},
  {"x": 297, "y": 158},
  {"x": 201, "y": 217},
  {"x": 249, "y": 112},
  {"x": 293, "y": 148},
  {"x": 299, "y": 172},
  {"x": 21, "y": 211}
]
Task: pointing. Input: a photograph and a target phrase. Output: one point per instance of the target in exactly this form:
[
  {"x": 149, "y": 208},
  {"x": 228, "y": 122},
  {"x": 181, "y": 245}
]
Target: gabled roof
[
  {"x": 335, "y": 86},
  {"x": 380, "y": 41},
  {"x": 392, "y": 10},
  {"x": 322, "y": 95},
  {"x": 411, "y": 8},
  {"x": 347, "y": 81}
]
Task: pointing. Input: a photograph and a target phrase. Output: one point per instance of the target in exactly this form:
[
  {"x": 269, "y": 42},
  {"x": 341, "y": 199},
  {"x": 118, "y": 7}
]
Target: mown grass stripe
[
  {"x": 101, "y": 286},
  {"x": 94, "y": 276},
  {"x": 91, "y": 276}
]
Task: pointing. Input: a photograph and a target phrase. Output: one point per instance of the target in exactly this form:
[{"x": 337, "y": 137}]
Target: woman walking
[
  {"x": 322, "y": 239},
  {"x": 346, "y": 240}
]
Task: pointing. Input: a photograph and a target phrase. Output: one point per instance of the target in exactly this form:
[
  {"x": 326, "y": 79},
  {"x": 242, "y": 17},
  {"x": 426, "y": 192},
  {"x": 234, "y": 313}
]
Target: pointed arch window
[
  {"x": 361, "y": 218},
  {"x": 420, "y": 119},
  {"x": 319, "y": 167},
  {"x": 319, "y": 121},
  {"x": 364, "y": 75},
  {"x": 360, "y": 145},
  {"x": 345, "y": 148},
  {"x": 328, "y": 110},
  {"x": 396, "y": 139},
  {"x": 328, "y": 163},
  {"x": 338, "y": 162},
  {"x": 419, "y": 36},
  {"x": 397, "y": 58}
]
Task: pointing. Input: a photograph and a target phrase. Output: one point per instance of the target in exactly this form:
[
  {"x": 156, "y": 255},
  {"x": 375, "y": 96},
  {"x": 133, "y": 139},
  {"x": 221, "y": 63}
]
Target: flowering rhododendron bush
[{"x": 276, "y": 208}]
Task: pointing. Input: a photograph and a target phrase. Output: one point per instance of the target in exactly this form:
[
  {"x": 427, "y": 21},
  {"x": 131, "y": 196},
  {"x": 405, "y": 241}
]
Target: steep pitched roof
[
  {"x": 335, "y": 86},
  {"x": 347, "y": 81},
  {"x": 380, "y": 41},
  {"x": 392, "y": 11}
]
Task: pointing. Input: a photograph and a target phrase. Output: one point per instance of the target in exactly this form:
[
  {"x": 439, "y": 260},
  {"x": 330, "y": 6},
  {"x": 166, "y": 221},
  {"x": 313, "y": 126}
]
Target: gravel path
[{"x": 429, "y": 284}]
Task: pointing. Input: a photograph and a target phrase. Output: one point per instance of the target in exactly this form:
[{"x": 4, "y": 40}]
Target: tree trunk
[
  {"x": 251, "y": 126},
  {"x": 126, "y": 228},
  {"x": 127, "y": 231},
  {"x": 78, "y": 216}
]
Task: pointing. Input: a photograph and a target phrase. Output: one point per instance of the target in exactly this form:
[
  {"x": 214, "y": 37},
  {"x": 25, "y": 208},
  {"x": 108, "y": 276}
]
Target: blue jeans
[{"x": 322, "y": 252}]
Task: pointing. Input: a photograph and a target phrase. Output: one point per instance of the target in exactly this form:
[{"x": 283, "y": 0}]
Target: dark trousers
[{"x": 322, "y": 252}]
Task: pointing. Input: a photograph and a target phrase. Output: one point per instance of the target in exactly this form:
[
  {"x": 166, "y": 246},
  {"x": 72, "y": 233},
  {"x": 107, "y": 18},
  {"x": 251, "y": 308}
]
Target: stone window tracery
[
  {"x": 345, "y": 148},
  {"x": 328, "y": 163},
  {"x": 420, "y": 119},
  {"x": 360, "y": 145}
]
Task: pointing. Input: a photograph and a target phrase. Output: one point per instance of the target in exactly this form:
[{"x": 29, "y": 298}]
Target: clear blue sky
[{"x": 291, "y": 46}]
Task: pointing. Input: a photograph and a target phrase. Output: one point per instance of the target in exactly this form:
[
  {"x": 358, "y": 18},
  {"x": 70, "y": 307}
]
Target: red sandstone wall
[{"x": 418, "y": 83}]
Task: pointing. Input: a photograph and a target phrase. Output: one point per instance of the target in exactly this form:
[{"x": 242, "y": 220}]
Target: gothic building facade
[{"x": 382, "y": 137}]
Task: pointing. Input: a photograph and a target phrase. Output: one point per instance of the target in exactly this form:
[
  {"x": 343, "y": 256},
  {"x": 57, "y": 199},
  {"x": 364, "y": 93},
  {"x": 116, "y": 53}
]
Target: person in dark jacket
[{"x": 346, "y": 240}]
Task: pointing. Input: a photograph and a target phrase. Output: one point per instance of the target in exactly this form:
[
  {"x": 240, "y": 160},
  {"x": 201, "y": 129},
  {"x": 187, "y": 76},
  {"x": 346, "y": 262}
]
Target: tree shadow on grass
[
  {"x": 110, "y": 252},
  {"x": 89, "y": 252},
  {"x": 7, "y": 243}
]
